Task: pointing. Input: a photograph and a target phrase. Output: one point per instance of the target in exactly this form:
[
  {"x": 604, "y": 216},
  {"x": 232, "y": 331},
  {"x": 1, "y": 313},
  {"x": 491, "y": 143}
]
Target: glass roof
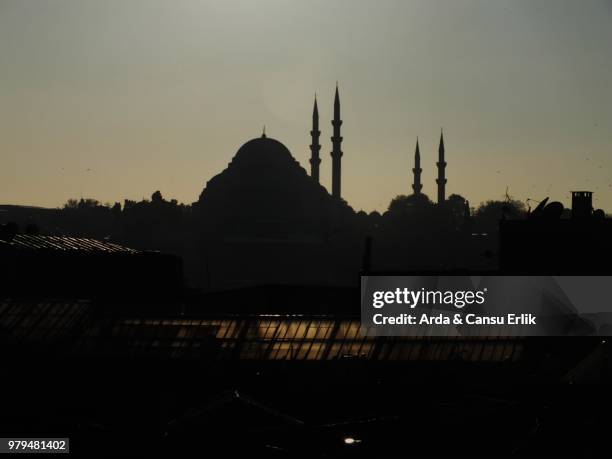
[{"x": 74, "y": 327}]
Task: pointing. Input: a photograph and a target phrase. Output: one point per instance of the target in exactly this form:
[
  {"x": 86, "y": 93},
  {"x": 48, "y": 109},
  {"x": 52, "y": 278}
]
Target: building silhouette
[
  {"x": 582, "y": 204},
  {"x": 265, "y": 219},
  {"x": 153, "y": 365},
  {"x": 62, "y": 266},
  {"x": 545, "y": 242}
]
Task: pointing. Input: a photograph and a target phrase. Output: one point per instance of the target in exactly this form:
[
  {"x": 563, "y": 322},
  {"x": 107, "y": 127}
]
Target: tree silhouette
[
  {"x": 407, "y": 204},
  {"x": 489, "y": 213},
  {"x": 157, "y": 198},
  {"x": 458, "y": 209}
]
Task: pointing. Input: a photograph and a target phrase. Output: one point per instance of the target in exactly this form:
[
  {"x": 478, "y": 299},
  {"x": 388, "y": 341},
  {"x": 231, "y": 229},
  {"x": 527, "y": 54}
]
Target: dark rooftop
[{"x": 65, "y": 243}]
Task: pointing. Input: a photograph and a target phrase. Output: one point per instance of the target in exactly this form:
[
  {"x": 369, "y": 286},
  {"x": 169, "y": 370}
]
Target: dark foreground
[{"x": 343, "y": 408}]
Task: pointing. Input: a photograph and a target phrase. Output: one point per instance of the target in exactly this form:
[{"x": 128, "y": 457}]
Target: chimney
[{"x": 582, "y": 204}]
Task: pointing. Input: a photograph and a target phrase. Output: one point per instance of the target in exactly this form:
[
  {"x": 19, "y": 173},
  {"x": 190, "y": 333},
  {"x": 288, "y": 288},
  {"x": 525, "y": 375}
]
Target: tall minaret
[
  {"x": 441, "y": 180},
  {"x": 336, "y": 153},
  {"x": 314, "y": 146},
  {"x": 417, "y": 186}
]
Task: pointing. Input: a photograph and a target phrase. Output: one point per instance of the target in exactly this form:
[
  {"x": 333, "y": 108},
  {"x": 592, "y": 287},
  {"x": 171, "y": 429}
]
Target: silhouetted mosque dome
[
  {"x": 264, "y": 192},
  {"x": 263, "y": 149}
]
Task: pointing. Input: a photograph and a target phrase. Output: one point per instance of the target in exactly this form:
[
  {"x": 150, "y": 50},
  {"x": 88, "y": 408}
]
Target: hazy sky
[{"x": 154, "y": 95}]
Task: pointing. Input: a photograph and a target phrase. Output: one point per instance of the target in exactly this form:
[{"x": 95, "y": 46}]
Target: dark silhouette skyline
[
  {"x": 167, "y": 120},
  {"x": 196, "y": 316},
  {"x": 336, "y": 157},
  {"x": 226, "y": 314},
  {"x": 264, "y": 220}
]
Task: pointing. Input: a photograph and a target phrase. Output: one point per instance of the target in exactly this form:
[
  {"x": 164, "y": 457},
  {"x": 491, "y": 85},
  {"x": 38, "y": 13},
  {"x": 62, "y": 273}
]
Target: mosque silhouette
[
  {"x": 265, "y": 217},
  {"x": 263, "y": 342}
]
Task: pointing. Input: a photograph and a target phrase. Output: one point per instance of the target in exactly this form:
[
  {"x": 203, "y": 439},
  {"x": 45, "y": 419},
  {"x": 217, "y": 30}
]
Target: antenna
[
  {"x": 506, "y": 206},
  {"x": 539, "y": 208}
]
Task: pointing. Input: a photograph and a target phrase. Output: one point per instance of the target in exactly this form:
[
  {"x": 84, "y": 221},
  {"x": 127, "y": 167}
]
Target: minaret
[
  {"x": 417, "y": 186},
  {"x": 314, "y": 146},
  {"x": 441, "y": 180},
  {"x": 336, "y": 153}
]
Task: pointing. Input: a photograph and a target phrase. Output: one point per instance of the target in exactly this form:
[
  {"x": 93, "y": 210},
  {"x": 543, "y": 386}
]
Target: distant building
[
  {"x": 263, "y": 219},
  {"x": 545, "y": 243},
  {"x": 582, "y": 204},
  {"x": 71, "y": 267}
]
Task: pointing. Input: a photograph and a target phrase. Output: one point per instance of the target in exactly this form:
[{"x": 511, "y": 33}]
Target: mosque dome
[
  {"x": 265, "y": 190},
  {"x": 263, "y": 149}
]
